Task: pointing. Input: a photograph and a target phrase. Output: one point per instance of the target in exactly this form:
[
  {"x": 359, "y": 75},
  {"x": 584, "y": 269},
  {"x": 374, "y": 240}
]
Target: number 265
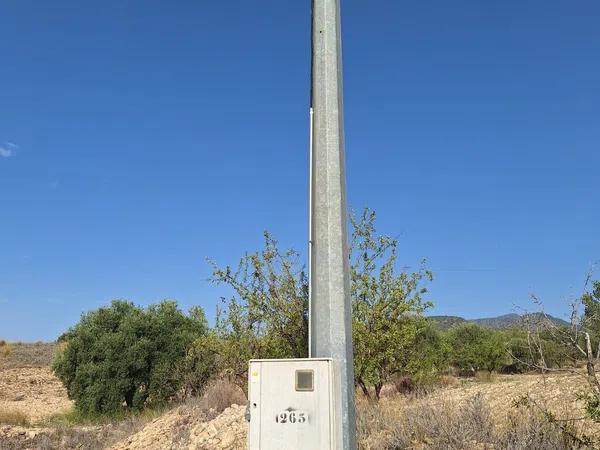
[{"x": 290, "y": 417}]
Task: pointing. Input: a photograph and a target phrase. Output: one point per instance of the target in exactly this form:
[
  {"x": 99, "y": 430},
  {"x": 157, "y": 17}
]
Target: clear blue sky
[{"x": 138, "y": 138}]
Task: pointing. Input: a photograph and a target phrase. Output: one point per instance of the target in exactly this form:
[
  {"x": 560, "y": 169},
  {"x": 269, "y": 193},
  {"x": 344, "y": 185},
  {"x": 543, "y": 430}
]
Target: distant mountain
[
  {"x": 447, "y": 322},
  {"x": 500, "y": 322}
]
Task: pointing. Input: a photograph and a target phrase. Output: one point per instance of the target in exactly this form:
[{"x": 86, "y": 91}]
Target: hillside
[{"x": 500, "y": 322}]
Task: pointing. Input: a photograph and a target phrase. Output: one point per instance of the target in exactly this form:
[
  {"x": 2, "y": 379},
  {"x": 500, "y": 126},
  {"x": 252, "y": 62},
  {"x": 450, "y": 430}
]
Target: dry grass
[
  {"x": 5, "y": 348},
  {"x": 424, "y": 424},
  {"x": 22, "y": 355},
  {"x": 71, "y": 438},
  {"x": 13, "y": 417},
  {"x": 69, "y": 431},
  {"x": 469, "y": 414},
  {"x": 448, "y": 381},
  {"x": 483, "y": 376},
  {"x": 218, "y": 396}
]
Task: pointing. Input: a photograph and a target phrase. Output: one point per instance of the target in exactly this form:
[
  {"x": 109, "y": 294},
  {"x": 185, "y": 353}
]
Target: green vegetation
[
  {"x": 123, "y": 355},
  {"x": 591, "y": 316},
  {"x": 267, "y": 317},
  {"x": 475, "y": 348},
  {"x": 122, "y": 358},
  {"x": 386, "y": 306}
]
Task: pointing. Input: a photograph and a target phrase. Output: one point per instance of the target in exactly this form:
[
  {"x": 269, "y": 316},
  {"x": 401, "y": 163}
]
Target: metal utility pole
[{"x": 330, "y": 305}]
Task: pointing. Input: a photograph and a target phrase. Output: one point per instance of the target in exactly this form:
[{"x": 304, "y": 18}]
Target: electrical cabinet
[{"x": 291, "y": 404}]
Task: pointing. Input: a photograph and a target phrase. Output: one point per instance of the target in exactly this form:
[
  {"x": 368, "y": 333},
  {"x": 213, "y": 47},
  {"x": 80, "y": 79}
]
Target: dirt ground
[
  {"x": 179, "y": 429},
  {"x": 34, "y": 392},
  {"x": 556, "y": 392}
]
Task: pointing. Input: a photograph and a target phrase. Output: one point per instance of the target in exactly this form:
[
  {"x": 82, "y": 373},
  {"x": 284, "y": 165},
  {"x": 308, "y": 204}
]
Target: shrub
[
  {"x": 426, "y": 357},
  {"x": 592, "y": 406},
  {"x": 483, "y": 376},
  {"x": 201, "y": 364},
  {"x": 219, "y": 395},
  {"x": 525, "y": 354},
  {"x": 476, "y": 348},
  {"x": 405, "y": 385},
  {"x": 125, "y": 356}
]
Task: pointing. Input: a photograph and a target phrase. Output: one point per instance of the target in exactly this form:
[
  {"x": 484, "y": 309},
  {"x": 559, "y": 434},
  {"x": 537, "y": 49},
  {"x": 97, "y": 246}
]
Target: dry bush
[
  {"x": 484, "y": 376},
  {"x": 448, "y": 381},
  {"x": 219, "y": 395},
  {"x": 405, "y": 385},
  {"x": 13, "y": 417},
  {"x": 423, "y": 424},
  {"x": 5, "y": 349}
]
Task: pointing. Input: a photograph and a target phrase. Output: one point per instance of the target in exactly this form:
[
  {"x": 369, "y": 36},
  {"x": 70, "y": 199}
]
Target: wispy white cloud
[{"x": 8, "y": 149}]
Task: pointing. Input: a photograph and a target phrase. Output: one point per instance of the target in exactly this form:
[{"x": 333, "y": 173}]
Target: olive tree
[{"x": 125, "y": 357}]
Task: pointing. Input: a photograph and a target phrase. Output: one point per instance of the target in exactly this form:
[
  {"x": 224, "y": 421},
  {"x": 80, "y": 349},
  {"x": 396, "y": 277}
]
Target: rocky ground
[
  {"x": 33, "y": 392},
  {"x": 182, "y": 429}
]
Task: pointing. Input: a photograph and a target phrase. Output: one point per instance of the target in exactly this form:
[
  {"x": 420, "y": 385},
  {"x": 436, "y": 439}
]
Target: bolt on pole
[{"x": 330, "y": 303}]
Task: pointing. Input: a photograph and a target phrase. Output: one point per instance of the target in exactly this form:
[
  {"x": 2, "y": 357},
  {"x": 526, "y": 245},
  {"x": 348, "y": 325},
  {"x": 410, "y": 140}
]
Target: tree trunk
[
  {"x": 591, "y": 370},
  {"x": 129, "y": 398},
  {"x": 378, "y": 387},
  {"x": 364, "y": 388}
]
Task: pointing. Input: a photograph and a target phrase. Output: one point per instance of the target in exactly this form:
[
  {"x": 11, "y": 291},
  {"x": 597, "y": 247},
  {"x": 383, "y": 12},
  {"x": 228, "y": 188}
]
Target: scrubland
[{"x": 499, "y": 412}]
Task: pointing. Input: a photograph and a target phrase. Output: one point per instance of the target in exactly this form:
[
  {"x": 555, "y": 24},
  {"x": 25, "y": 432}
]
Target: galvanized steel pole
[{"x": 330, "y": 310}]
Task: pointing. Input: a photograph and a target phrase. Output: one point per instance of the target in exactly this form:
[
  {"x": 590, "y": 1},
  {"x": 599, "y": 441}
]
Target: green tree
[
  {"x": 125, "y": 355},
  {"x": 528, "y": 351},
  {"x": 477, "y": 348},
  {"x": 203, "y": 361},
  {"x": 383, "y": 302},
  {"x": 267, "y": 315},
  {"x": 427, "y": 356}
]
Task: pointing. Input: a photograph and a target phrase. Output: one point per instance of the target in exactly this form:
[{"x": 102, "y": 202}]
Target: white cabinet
[{"x": 291, "y": 404}]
